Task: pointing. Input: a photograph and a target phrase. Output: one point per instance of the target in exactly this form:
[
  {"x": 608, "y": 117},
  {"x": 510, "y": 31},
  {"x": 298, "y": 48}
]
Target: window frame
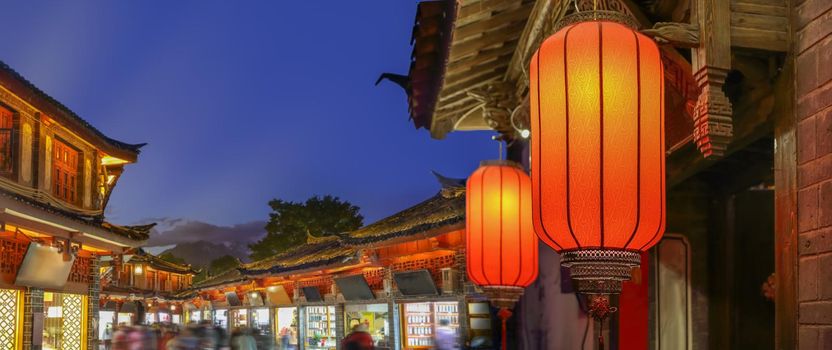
[
  {"x": 70, "y": 192},
  {"x": 13, "y": 152}
]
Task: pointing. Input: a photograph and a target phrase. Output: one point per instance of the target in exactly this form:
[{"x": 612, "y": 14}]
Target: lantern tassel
[
  {"x": 600, "y": 309},
  {"x": 504, "y": 314}
]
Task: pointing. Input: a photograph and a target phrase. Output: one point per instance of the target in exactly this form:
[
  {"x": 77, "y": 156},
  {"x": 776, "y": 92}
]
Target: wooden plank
[
  {"x": 488, "y": 39},
  {"x": 495, "y": 22},
  {"x": 759, "y": 39},
  {"x": 497, "y": 63},
  {"x": 757, "y": 21},
  {"x": 472, "y": 14},
  {"x": 759, "y": 9},
  {"x": 481, "y": 57},
  {"x": 762, "y": 2}
]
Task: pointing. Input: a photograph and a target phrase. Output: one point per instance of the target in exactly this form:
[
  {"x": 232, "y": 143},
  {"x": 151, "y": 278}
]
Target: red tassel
[{"x": 504, "y": 315}]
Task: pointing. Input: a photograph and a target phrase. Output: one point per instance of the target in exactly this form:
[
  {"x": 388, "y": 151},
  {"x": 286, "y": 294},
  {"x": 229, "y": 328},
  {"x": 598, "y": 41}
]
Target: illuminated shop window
[{"x": 64, "y": 324}]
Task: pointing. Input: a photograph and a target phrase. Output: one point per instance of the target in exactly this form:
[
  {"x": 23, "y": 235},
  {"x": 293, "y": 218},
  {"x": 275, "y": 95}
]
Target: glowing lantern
[
  {"x": 501, "y": 245},
  {"x": 597, "y": 154}
]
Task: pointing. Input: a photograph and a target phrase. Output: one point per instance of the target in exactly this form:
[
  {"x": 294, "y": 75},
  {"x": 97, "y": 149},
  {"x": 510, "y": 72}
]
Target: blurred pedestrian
[
  {"x": 446, "y": 337},
  {"x": 358, "y": 339},
  {"x": 241, "y": 339}
]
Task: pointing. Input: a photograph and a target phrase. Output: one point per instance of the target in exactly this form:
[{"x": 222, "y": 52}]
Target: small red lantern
[
  {"x": 501, "y": 244},
  {"x": 597, "y": 154}
]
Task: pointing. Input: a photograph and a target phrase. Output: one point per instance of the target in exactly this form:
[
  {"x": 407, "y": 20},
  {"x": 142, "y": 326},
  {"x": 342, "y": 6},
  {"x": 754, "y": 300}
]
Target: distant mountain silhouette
[{"x": 201, "y": 253}]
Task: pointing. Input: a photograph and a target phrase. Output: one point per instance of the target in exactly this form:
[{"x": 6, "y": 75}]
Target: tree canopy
[
  {"x": 291, "y": 222},
  {"x": 222, "y": 264}
]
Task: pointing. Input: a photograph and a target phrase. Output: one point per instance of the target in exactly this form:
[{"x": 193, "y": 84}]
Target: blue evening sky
[{"x": 241, "y": 101}]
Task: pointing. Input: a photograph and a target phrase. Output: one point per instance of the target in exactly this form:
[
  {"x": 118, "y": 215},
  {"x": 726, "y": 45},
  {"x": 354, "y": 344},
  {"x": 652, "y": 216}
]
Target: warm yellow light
[
  {"x": 110, "y": 160},
  {"x": 138, "y": 269},
  {"x": 110, "y": 179},
  {"x": 173, "y": 308}
]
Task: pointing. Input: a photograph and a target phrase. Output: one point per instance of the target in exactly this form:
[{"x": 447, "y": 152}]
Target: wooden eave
[
  {"x": 28, "y": 92},
  {"x": 484, "y": 35}
]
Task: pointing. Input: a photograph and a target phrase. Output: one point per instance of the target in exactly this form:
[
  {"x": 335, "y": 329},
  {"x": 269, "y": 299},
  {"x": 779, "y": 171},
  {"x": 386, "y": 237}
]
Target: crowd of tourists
[
  {"x": 205, "y": 336},
  {"x": 202, "y": 336}
]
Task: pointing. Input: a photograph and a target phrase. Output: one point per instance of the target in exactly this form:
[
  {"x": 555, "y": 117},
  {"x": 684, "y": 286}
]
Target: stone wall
[{"x": 813, "y": 91}]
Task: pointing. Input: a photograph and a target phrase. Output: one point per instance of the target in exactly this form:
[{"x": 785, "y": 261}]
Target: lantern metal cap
[
  {"x": 501, "y": 162},
  {"x": 600, "y": 271},
  {"x": 596, "y": 15},
  {"x": 503, "y": 297}
]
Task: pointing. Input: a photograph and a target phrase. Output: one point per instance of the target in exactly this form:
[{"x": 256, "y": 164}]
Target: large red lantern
[
  {"x": 501, "y": 245},
  {"x": 597, "y": 154}
]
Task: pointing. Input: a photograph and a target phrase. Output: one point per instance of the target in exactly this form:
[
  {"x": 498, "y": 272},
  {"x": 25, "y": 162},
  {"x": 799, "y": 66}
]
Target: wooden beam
[{"x": 751, "y": 38}]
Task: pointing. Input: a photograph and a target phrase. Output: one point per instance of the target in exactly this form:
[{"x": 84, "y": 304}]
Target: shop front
[
  {"x": 128, "y": 313},
  {"x": 220, "y": 317},
  {"x": 376, "y": 317},
  {"x": 64, "y": 322},
  {"x": 286, "y": 324},
  {"x": 238, "y": 318},
  {"x": 420, "y": 321},
  {"x": 319, "y": 326},
  {"x": 261, "y": 320}
]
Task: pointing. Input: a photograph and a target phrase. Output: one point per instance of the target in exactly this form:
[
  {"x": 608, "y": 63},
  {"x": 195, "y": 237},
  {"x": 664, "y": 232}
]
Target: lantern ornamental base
[
  {"x": 503, "y": 297},
  {"x": 600, "y": 271}
]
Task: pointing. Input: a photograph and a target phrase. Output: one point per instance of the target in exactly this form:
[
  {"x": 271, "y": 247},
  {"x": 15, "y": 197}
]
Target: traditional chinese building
[
  {"x": 747, "y": 127},
  {"x": 142, "y": 289},
  {"x": 56, "y": 175},
  {"x": 400, "y": 276}
]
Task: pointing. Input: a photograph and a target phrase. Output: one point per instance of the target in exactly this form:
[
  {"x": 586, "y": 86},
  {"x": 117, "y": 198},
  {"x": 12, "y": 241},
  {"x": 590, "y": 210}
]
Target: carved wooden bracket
[
  {"x": 498, "y": 103},
  {"x": 712, "y": 118},
  {"x": 712, "y": 122}
]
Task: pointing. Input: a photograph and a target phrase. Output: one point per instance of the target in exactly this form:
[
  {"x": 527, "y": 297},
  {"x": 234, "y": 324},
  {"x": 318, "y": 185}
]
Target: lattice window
[
  {"x": 375, "y": 278},
  {"x": 434, "y": 265},
  {"x": 323, "y": 284},
  {"x": 8, "y": 319},
  {"x": 80, "y": 270},
  {"x": 65, "y": 168},
  {"x": 6, "y": 142},
  {"x": 11, "y": 256},
  {"x": 72, "y": 332}
]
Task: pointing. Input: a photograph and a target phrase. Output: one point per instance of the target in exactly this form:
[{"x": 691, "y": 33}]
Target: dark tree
[
  {"x": 222, "y": 264},
  {"x": 169, "y": 257},
  {"x": 291, "y": 222}
]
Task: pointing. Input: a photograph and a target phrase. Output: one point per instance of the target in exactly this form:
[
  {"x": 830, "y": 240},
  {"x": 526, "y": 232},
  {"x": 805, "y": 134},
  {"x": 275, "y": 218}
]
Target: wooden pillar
[{"x": 785, "y": 216}]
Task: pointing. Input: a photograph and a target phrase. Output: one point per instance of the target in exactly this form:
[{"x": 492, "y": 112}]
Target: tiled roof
[
  {"x": 431, "y": 41},
  {"x": 161, "y": 264},
  {"x": 227, "y": 277},
  {"x": 435, "y": 212},
  {"x": 27, "y": 91},
  {"x": 306, "y": 256}
]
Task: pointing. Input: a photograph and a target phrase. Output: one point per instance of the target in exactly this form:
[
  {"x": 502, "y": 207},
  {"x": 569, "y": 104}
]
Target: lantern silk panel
[
  {"x": 500, "y": 238},
  {"x": 597, "y": 117}
]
